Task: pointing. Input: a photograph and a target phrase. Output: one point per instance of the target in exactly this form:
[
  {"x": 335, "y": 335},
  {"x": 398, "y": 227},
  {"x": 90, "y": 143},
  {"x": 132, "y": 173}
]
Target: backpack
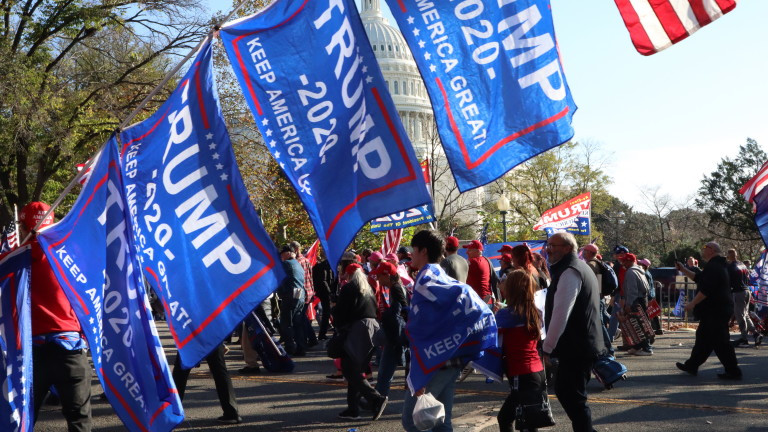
[{"x": 610, "y": 281}]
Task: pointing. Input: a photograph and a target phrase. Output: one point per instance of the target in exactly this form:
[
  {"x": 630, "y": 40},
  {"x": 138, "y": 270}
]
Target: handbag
[
  {"x": 335, "y": 345},
  {"x": 534, "y": 410}
]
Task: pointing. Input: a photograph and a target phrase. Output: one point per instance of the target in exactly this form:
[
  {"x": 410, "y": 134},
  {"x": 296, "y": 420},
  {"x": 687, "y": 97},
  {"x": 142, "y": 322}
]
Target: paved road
[{"x": 657, "y": 397}]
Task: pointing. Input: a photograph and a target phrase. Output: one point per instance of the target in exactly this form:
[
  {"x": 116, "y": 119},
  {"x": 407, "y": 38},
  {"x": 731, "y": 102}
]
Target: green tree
[
  {"x": 730, "y": 216},
  {"x": 72, "y": 71},
  {"x": 546, "y": 181}
]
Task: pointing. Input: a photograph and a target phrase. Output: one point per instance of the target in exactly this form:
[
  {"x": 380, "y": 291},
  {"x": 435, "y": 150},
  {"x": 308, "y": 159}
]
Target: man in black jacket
[
  {"x": 713, "y": 306},
  {"x": 325, "y": 289},
  {"x": 573, "y": 324}
]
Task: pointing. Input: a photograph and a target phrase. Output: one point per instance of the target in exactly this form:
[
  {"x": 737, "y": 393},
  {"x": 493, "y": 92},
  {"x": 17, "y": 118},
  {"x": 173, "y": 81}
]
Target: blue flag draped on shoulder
[
  {"x": 16, "y": 408},
  {"x": 319, "y": 99},
  {"x": 495, "y": 80},
  {"x": 434, "y": 339},
  {"x": 93, "y": 256},
  {"x": 202, "y": 245}
]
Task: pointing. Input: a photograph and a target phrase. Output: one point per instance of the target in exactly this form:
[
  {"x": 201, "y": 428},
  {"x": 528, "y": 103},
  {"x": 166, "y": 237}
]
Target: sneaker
[
  {"x": 632, "y": 351},
  {"x": 335, "y": 377},
  {"x": 378, "y": 409},
  {"x": 644, "y": 353},
  {"x": 740, "y": 343},
  {"x": 249, "y": 370},
  {"x": 659, "y": 332},
  {"x": 686, "y": 369},
  {"x": 230, "y": 420},
  {"x": 349, "y": 415},
  {"x": 617, "y": 335},
  {"x": 758, "y": 339},
  {"x": 467, "y": 371}
]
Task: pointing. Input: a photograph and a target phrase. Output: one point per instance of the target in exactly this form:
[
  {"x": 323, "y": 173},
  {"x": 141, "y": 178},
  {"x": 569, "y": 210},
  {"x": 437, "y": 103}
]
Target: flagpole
[
  {"x": 134, "y": 113},
  {"x": 16, "y": 222}
]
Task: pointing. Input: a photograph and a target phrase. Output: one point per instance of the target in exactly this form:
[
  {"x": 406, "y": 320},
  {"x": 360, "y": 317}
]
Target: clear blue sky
[{"x": 666, "y": 119}]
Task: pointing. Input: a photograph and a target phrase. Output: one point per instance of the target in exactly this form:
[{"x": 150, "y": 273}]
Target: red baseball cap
[
  {"x": 352, "y": 268},
  {"x": 391, "y": 257},
  {"x": 507, "y": 258},
  {"x": 452, "y": 241},
  {"x": 474, "y": 244},
  {"x": 33, "y": 213},
  {"x": 505, "y": 249},
  {"x": 385, "y": 268}
]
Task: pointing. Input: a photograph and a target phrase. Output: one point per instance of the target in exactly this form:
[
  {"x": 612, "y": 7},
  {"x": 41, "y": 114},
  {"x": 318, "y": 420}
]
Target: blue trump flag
[
  {"x": 495, "y": 80},
  {"x": 16, "y": 409},
  {"x": 202, "y": 245},
  {"x": 93, "y": 256},
  {"x": 313, "y": 85},
  {"x": 411, "y": 217},
  {"x": 447, "y": 320}
]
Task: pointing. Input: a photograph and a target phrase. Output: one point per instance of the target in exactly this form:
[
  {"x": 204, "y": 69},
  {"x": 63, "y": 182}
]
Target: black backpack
[{"x": 609, "y": 280}]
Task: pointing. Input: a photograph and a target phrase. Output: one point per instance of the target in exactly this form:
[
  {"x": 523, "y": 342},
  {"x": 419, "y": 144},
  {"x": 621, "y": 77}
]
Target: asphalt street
[{"x": 656, "y": 397}]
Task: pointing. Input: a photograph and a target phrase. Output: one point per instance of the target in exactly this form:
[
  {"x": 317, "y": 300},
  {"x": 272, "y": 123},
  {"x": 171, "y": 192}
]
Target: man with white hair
[
  {"x": 573, "y": 324},
  {"x": 713, "y": 306}
]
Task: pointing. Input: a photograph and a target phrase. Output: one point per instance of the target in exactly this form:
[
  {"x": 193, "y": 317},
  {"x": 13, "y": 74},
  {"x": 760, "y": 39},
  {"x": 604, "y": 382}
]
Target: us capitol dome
[{"x": 402, "y": 76}]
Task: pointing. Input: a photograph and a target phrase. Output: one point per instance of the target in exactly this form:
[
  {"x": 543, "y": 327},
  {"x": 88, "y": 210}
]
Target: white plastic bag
[{"x": 428, "y": 412}]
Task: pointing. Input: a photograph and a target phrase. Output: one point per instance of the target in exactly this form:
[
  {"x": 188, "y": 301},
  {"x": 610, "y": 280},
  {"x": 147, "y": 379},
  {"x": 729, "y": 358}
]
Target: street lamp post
[{"x": 503, "y": 205}]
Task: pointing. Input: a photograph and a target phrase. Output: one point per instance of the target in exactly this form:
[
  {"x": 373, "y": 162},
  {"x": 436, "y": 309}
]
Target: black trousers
[
  {"x": 571, "y": 390},
  {"x": 357, "y": 385},
  {"x": 70, "y": 373},
  {"x": 218, "y": 368},
  {"x": 529, "y": 383},
  {"x": 712, "y": 335},
  {"x": 325, "y": 304}
]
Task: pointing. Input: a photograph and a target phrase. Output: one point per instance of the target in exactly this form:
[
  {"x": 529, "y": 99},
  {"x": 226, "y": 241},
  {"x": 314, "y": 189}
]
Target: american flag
[
  {"x": 484, "y": 235},
  {"x": 755, "y": 185},
  {"x": 391, "y": 241},
  {"x": 87, "y": 173},
  {"x": 10, "y": 238},
  {"x": 657, "y": 24},
  {"x": 311, "y": 254}
]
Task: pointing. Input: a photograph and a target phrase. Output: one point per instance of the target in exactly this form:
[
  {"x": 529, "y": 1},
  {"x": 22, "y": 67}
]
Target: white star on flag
[
  {"x": 277, "y": 155},
  {"x": 416, "y": 32},
  {"x": 19, "y": 357},
  {"x": 91, "y": 320},
  {"x": 215, "y": 156},
  {"x": 209, "y": 136},
  {"x": 269, "y": 132},
  {"x": 368, "y": 79},
  {"x": 432, "y": 68},
  {"x": 219, "y": 166},
  {"x": 265, "y": 121},
  {"x": 410, "y": 20},
  {"x": 427, "y": 56},
  {"x": 224, "y": 177},
  {"x": 272, "y": 143},
  {"x": 212, "y": 146},
  {"x": 422, "y": 43},
  {"x": 365, "y": 69},
  {"x": 282, "y": 165}
]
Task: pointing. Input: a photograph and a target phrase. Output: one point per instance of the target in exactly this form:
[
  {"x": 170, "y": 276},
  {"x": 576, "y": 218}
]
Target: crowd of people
[{"x": 559, "y": 312}]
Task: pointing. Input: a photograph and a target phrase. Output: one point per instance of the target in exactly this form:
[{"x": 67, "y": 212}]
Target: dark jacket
[
  {"x": 352, "y": 306},
  {"x": 714, "y": 283},
  {"x": 582, "y": 337},
  {"x": 324, "y": 280}
]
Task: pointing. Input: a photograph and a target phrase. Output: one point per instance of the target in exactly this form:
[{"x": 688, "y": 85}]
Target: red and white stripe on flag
[
  {"x": 755, "y": 185},
  {"x": 657, "y": 24},
  {"x": 392, "y": 241},
  {"x": 87, "y": 174}
]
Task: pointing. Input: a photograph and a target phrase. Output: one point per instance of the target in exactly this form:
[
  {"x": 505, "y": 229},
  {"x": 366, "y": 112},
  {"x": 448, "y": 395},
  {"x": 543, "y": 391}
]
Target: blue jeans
[
  {"x": 390, "y": 355},
  {"x": 292, "y": 327},
  {"x": 606, "y": 337},
  {"x": 442, "y": 386}
]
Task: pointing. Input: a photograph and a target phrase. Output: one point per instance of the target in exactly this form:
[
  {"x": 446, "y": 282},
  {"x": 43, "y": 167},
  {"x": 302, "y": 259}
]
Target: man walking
[
  {"x": 479, "y": 274},
  {"x": 292, "y": 294},
  {"x": 573, "y": 323},
  {"x": 738, "y": 274},
  {"x": 713, "y": 306},
  {"x": 635, "y": 288},
  {"x": 441, "y": 347},
  {"x": 454, "y": 264}
]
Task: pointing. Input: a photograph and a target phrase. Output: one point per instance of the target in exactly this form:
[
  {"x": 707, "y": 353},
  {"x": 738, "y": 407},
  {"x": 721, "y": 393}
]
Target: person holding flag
[
  {"x": 59, "y": 350},
  {"x": 441, "y": 348}
]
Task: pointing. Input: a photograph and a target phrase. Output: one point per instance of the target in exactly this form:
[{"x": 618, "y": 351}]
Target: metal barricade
[{"x": 673, "y": 293}]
